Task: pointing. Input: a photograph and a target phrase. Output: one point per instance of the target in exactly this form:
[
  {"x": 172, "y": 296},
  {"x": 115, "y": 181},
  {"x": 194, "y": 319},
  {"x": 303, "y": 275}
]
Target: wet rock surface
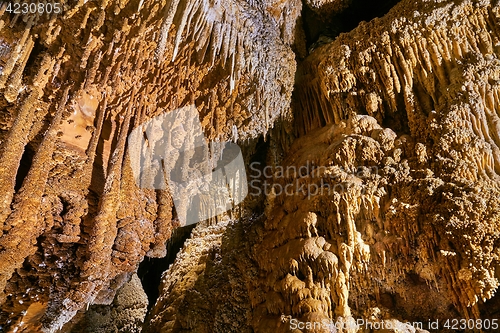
[{"x": 72, "y": 86}]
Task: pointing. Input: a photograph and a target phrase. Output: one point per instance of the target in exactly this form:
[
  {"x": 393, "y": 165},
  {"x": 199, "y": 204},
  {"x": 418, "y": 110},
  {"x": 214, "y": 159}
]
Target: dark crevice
[
  {"x": 24, "y": 167},
  {"x": 490, "y": 309},
  {"x": 151, "y": 269},
  {"x": 321, "y": 30},
  {"x": 363, "y": 10},
  {"x": 34, "y": 59}
]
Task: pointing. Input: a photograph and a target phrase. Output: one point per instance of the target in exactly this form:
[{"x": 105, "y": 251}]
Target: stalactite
[
  {"x": 165, "y": 28},
  {"x": 16, "y": 54},
  {"x": 14, "y": 88},
  {"x": 25, "y": 207},
  {"x": 104, "y": 71},
  {"x": 17, "y": 140}
]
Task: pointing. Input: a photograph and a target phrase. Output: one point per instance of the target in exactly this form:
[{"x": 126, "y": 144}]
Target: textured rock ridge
[
  {"x": 327, "y": 8},
  {"x": 72, "y": 86},
  {"x": 402, "y": 62},
  {"x": 212, "y": 271},
  {"x": 125, "y": 314}
]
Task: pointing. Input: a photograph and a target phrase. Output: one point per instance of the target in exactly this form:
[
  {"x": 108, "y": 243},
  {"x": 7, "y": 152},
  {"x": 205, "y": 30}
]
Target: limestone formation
[
  {"x": 327, "y": 8},
  {"x": 125, "y": 314},
  {"x": 397, "y": 211},
  {"x": 375, "y": 160},
  {"x": 72, "y": 86}
]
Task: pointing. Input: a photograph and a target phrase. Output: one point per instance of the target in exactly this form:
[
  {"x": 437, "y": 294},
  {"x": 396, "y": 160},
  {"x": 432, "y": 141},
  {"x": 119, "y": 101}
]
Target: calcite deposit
[
  {"x": 72, "y": 86},
  {"x": 396, "y": 212},
  {"x": 374, "y": 157}
]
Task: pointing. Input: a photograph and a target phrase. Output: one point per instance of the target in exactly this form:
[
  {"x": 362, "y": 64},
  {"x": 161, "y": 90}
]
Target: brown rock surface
[
  {"x": 125, "y": 314},
  {"x": 72, "y": 86},
  {"x": 328, "y": 7},
  {"x": 397, "y": 212},
  {"x": 383, "y": 205}
]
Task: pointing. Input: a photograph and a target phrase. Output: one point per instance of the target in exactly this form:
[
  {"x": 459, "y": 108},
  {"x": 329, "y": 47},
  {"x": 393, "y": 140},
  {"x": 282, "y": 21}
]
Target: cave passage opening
[
  {"x": 346, "y": 20},
  {"x": 151, "y": 270}
]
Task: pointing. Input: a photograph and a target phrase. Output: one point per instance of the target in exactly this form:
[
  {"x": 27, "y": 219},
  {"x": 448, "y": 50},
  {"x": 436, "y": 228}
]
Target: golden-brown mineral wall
[
  {"x": 396, "y": 212},
  {"x": 72, "y": 86}
]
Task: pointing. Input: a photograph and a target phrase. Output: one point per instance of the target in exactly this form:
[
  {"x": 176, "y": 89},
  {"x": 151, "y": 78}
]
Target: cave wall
[
  {"x": 398, "y": 221},
  {"x": 72, "y": 86},
  {"x": 395, "y": 213}
]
